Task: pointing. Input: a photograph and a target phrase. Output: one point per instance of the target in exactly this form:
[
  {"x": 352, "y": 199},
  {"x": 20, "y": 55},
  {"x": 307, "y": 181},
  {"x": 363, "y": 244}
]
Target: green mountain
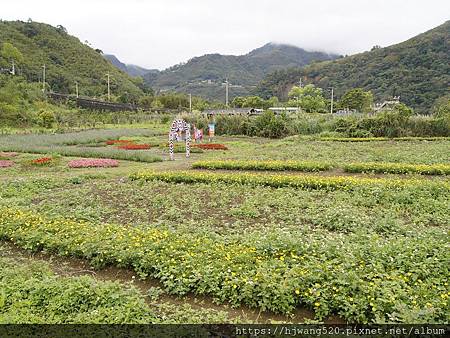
[
  {"x": 205, "y": 75},
  {"x": 67, "y": 61},
  {"x": 130, "y": 69},
  {"x": 417, "y": 70}
]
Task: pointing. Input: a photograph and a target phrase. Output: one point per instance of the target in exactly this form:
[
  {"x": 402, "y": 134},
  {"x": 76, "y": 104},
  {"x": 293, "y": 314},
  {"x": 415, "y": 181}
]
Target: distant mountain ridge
[
  {"x": 130, "y": 69},
  {"x": 417, "y": 70},
  {"x": 205, "y": 75}
]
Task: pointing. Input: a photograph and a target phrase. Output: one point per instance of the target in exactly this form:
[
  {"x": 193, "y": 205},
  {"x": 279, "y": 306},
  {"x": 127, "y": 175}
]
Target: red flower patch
[
  {"x": 111, "y": 142},
  {"x": 132, "y": 146},
  {"x": 42, "y": 161},
  {"x": 210, "y": 146}
]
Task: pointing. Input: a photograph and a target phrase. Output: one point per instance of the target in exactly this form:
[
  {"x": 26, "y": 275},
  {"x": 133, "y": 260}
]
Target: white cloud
[{"x": 160, "y": 33}]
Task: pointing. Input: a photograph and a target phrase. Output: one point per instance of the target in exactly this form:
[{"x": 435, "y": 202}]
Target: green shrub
[
  {"x": 263, "y": 165},
  {"x": 47, "y": 119}
]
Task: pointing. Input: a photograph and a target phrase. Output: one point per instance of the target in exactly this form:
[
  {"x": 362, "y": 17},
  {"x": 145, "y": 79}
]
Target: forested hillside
[
  {"x": 206, "y": 74},
  {"x": 417, "y": 70},
  {"x": 67, "y": 61}
]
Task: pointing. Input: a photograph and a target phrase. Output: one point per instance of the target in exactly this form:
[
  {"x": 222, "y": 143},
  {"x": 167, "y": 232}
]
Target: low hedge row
[
  {"x": 263, "y": 165},
  {"x": 298, "y": 181},
  {"x": 398, "y": 168},
  {"x": 364, "y": 167},
  {"x": 371, "y": 139}
]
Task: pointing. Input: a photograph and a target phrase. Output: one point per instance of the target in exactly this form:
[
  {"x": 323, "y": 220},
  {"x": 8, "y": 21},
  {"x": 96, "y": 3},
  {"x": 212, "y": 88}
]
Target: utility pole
[
  {"x": 76, "y": 88},
  {"x": 332, "y": 98},
  {"x": 190, "y": 103},
  {"x": 13, "y": 71},
  {"x": 43, "y": 78},
  {"x": 300, "y": 83},
  {"x": 109, "y": 92},
  {"x": 226, "y": 92}
]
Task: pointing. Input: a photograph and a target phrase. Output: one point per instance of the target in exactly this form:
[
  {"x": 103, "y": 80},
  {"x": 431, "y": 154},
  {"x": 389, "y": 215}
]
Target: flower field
[{"x": 330, "y": 231}]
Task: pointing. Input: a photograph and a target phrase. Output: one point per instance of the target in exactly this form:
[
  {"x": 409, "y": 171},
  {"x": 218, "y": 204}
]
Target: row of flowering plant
[
  {"x": 308, "y": 182},
  {"x": 133, "y": 146},
  {"x": 4, "y": 154},
  {"x": 6, "y": 163},
  {"x": 210, "y": 146},
  {"x": 263, "y": 165},
  {"x": 373, "y": 139},
  {"x": 93, "y": 163},
  {"x": 112, "y": 142},
  {"x": 361, "y": 277},
  {"x": 398, "y": 168}
]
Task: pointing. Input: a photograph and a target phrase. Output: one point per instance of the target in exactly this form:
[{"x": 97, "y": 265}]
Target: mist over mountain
[
  {"x": 205, "y": 75},
  {"x": 130, "y": 69},
  {"x": 417, "y": 70}
]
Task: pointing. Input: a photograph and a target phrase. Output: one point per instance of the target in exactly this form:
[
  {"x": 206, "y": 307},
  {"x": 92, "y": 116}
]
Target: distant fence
[{"x": 89, "y": 103}]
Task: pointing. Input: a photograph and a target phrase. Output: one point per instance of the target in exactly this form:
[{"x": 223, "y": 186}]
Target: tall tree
[
  {"x": 10, "y": 53},
  {"x": 357, "y": 99},
  {"x": 309, "y": 98}
]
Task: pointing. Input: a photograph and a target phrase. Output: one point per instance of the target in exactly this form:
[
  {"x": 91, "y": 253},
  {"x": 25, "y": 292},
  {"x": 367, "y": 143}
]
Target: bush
[{"x": 47, "y": 119}]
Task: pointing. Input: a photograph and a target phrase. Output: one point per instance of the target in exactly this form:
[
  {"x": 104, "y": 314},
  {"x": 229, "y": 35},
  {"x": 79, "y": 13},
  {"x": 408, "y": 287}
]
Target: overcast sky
[{"x": 161, "y": 33}]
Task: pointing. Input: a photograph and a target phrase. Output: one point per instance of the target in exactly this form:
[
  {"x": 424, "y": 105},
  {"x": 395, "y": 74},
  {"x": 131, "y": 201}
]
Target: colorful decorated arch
[{"x": 177, "y": 128}]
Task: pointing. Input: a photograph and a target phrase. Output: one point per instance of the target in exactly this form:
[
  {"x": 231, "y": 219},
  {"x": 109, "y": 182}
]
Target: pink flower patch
[
  {"x": 6, "y": 163},
  {"x": 93, "y": 163}
]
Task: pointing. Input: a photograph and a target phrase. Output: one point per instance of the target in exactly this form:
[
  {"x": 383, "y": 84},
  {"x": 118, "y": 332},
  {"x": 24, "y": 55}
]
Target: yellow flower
[{"x": 297, "y": 291}]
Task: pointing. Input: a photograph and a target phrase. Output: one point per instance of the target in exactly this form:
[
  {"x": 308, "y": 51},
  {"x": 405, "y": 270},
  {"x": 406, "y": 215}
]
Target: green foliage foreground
[
  {"x": 31, "y": 293},
  {"x": 362, "y": 277}
]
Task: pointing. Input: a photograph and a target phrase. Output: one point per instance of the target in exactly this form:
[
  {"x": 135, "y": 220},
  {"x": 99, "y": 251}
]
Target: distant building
[
  {"x": 233, "y": 111},
  {"x": 387, "y": 104},
  {"x": 344, "y": 112},
  {"x": 279, "y": 110}
]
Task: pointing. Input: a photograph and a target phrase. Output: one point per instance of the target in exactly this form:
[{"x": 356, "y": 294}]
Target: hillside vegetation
[
  {"x": 417, "y": 70},
  {"x": 67, "y": 61},
  {"x": 206, "y": 74}
]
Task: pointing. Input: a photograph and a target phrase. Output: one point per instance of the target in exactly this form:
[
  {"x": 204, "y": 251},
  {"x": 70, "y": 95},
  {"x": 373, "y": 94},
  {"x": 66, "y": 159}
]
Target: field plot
[{"x": 331, "y": 244}]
